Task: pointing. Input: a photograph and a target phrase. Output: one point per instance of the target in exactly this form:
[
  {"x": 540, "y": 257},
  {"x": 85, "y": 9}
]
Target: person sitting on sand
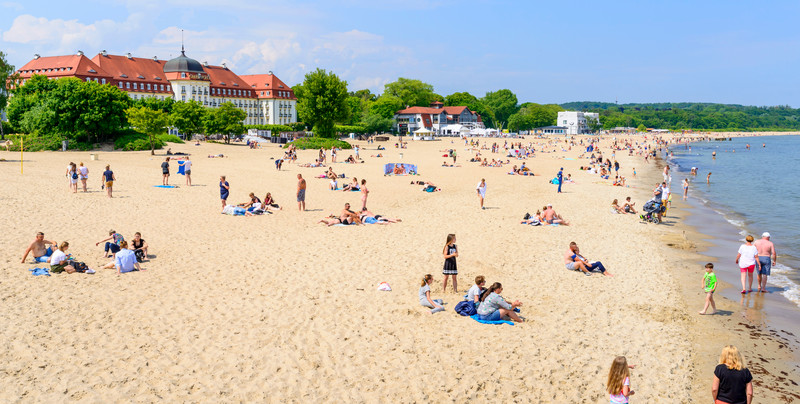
[
  {"x": 399, "y": 169},
  {"x": 368, "y": 217},
  {"x": 113, "y": 243},
  {"x": 124, "y": 261},
  {"x": 533, "y": 220},
  {"x": 615, "y": 208},
  {"x": 474, "y": 293},
  {"x": 628, "y": 205},
  {"x": 250, "y": 205},
  {"x": 436, "y": 305},
  {"x": 58, "y": 261},
  {"x": 353, "y": 186},
  {"x": 350, "y": 160},
  {"x": 575, "y": 261},
  {"x": 40, "y": 248},
  {"x": 551, "y": 217},
  {"x": 346, "y": 217},
  {"x": 139, "y": 246},
  {"x": 269, "y": 203},
  {"x": 494, "y": 308}
]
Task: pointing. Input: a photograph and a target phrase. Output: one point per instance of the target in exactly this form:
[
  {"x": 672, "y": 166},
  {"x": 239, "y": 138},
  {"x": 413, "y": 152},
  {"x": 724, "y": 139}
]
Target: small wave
[{"x": 791, "y": 289}]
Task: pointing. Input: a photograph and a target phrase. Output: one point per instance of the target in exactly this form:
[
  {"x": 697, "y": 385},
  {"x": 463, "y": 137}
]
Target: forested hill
[{"x": 688, "y": 115}]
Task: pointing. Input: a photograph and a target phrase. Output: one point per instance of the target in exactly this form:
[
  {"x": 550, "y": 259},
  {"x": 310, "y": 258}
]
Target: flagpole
[{"x": 21, "y": 148}]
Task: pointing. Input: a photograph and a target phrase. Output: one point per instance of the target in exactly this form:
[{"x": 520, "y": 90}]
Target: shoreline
[{"x": 770, "y": 354}]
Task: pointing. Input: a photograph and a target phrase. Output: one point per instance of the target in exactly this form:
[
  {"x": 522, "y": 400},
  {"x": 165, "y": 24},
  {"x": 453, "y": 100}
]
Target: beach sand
[{"x": 279, "y": 308}]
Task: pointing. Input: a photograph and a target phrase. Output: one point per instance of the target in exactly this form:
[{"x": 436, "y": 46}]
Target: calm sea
[{"x": 754, "y": 190}]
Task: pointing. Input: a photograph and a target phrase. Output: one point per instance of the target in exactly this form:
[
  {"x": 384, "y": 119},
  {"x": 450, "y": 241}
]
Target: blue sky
[{"x": 547, "y": 52}]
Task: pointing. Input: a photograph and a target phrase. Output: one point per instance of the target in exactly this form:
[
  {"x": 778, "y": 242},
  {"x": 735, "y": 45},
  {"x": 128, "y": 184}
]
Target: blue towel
[
  {"x": 39, "y": 271},
  {"x": 165, "y": 186},
  {"x": 475, "y": 317}
]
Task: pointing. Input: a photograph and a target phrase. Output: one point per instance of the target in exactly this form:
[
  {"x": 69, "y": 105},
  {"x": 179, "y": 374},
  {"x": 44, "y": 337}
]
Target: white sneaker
[{"x": 90, "y": 271}]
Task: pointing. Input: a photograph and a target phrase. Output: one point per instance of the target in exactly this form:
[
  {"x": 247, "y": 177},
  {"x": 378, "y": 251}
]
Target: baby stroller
[{"x": 650, "y": 211}]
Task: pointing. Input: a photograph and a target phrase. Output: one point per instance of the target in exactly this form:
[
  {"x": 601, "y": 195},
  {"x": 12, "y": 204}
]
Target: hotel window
[
  {"x": 120, "y": 84},
  {"x": 168, "y": 88},
  {"x": 148, "y": 86},
  {"x": 128, "y": 84},
  {"x": 183, "y": 75},
  {"x": 162, "y": 87}
]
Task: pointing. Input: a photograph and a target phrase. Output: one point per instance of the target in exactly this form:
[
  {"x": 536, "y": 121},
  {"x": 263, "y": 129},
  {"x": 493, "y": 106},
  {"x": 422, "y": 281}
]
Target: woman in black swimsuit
[{"x": 450, "y": 253}]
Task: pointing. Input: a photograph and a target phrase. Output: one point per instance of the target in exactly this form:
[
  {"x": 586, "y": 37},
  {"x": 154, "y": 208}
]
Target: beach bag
[
  {"x": 466, "y": 308},
  {"x": 79, "y": 266},
  {"x": 139, "y": 253}
]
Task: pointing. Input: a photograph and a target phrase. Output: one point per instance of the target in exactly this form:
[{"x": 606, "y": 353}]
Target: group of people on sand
[
  {"x": 489, "y": 304},
  {"x": 76, "y": 172},
  {"x": 347, "y": 216},
  {"x": 255, "y": 206},
  {"x": 627, "y": 207},
  {"x": 125, "y": 256},
  {"x": 547, "y": 215}
]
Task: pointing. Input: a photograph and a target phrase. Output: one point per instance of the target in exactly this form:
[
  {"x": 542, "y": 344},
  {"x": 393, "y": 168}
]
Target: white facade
[
  {"x": 576, "y": 122},
  {"x": 277, "y": 111}
]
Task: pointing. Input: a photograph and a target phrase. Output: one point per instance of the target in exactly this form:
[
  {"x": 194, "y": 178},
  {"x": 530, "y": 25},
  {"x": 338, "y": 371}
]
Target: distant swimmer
[
  {"x": 708, "y": 179},
  {"x": 763, "y": 145},
  {"x": 714, "y": 155}
]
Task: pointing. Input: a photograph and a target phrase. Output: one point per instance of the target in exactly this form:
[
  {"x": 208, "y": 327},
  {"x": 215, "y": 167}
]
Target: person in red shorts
[{"x": 747, "y": 258}]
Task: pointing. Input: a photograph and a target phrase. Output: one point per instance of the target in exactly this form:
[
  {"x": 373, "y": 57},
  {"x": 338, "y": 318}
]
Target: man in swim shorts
[
  {"x": 766, "y": 257},
  {"x": 575, "y": 261},
  {"x": 301, "y": 192},
  {"x": 39, "y": 248},
  {"x": 108, "y": 180}
]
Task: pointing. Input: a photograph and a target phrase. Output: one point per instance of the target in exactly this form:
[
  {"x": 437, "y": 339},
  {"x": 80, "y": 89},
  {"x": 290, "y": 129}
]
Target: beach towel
[
  {"x": 475, "y": 317},
  {"x": 165, "y": 186},
  {"x": 384, "y": 286},
  {"x": 181, "y": 168},
  {"x": 40, "y": 271}
]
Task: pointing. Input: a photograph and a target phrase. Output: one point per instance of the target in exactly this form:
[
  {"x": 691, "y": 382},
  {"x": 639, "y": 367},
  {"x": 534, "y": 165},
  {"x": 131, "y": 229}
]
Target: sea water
[{"x": 755, "y": 189}]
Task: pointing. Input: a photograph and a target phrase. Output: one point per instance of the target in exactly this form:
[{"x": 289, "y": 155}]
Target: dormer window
[
  {"x": 92, "y": 71},
  {"x": 123, "y": 75},
  {"x": 158, "y": 78},
  {"x": 183, "y": 75},
  {"x": 140, "y": 76},
  {"x": 280, "y": 85}
]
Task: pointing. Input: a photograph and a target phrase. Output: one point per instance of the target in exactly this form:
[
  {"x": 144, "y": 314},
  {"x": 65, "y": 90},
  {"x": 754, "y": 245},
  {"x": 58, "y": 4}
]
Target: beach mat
[
  {"x": 475, "y": 317},
  {"x": 165, "y": 186}
]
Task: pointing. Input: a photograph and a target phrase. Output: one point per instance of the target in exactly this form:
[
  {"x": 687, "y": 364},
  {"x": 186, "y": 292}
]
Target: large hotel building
[{"x": 264, "y": 97}]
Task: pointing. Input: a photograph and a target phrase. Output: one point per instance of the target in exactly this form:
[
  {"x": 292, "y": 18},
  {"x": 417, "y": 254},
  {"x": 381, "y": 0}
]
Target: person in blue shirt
[{"x": 560, "y": 178}]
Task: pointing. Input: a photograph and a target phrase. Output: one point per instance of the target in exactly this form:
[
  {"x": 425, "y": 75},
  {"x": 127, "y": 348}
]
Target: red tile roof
[
  {"x": 63, "y": 66},
  {"x": 270, "y": 85},
  {"x": 433, "y": 111},
  {"x": 426, "y": 121},
  {"x": 224, "y": 78},
  {"x": 135, "y": 70}
]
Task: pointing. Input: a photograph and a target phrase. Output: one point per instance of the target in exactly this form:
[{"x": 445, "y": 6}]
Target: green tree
[
  {"x": 357, "y": 109},
  {"x": 374, "y": 123},
  {"x": 164, "y": 105},
  {"x": 364, "y": 94},
  {"x": 532, "y": 116},
  {"x": 148, "y": 122},
  {"x": 225, "y": 120},
  {"x": 502, "y": 103},
  {"x": 102, "y": 111},
  {"x": 412, "y": 92},
  {"x": 323, "y": 102},
  {"x": 386, "y": 106},
  {"x": 473, "y": 103},
  {"x": 188, "y": 117},
  {"x": 7, "y": 80},
  {"x": 642, "y": 128}
]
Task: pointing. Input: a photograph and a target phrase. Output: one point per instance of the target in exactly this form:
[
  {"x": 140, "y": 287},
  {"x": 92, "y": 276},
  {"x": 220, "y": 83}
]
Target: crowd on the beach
[{"x": 125, "y": 257}]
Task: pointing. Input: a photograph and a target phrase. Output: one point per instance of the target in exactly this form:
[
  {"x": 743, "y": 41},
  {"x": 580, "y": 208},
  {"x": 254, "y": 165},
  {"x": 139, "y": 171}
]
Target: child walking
[
  {"x": 450, "y": 253},
  {"x": 709, "y": 286},
  {"x": 425, "y": 295},
  {"x": 619, "y": 381}
]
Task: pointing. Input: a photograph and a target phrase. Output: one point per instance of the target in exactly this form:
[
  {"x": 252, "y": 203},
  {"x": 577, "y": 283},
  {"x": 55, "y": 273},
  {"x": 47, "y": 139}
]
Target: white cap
[
  {"x": 765, "y": 234},
  {"x": 549, "y": 204}
]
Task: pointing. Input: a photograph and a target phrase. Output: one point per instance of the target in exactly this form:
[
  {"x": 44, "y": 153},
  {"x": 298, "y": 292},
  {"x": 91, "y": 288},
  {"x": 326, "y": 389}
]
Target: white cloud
[
  {"x": 13, "y": 5},
  {"x": 62, "y": 36}
]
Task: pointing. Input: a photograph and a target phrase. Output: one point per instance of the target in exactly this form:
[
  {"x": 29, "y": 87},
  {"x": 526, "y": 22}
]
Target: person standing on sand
[
  {"x": 224, "y": 190},
  {"x": 364, "y": 194},
  {"x": 301, "y": 191},
  {"x": 165, "y": 172},
  {"x": 83, "y": 171},
  {"x": 108, "y": 178},
  {"x": 187, "y": 169},
  {"x": 709, "y": 286},
  {"x": 747, "y": 258},
  {"x": 560, "y": 177},
  {"x": 766, "y": 259},
  {"x": 450, "y": 253},
  {"x": 481, "y": 189}
]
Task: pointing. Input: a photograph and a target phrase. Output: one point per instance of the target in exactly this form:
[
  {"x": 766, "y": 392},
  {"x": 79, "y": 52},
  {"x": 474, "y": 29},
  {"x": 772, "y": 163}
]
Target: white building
[{"x": 576, "y": 122}]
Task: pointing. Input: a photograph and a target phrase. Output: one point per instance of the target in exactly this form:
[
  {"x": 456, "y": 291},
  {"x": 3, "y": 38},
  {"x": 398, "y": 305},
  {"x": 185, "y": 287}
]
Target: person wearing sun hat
[{"x": 766, "y": 257}]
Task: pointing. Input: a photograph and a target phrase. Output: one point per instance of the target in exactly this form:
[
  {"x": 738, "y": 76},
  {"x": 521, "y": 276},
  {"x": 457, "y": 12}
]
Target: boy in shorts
[{"x": 709, "y": 286}]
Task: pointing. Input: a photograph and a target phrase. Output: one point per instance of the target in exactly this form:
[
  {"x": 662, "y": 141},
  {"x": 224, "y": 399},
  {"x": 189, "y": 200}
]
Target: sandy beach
[{"x": 279, "y": 308}]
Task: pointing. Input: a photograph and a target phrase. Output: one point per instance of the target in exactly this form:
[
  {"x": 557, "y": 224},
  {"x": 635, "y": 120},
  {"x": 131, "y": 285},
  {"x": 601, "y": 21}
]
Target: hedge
[
  {"x": 318, "y": 142},
  {"x": 134, "y": 141}
]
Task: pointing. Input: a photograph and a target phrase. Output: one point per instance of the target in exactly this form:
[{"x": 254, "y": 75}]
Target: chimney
[
  {"x": 270, "y": 72},
  {"x": 205, "y": 64},
  {"x": 104, "y": 53},
  {"x": 224, "y": 66},
  {"x": 80, "y": 53},
  {"x": 129, "y": 55},
  {"x": 36, "y": 56},
  {"x": 155, "y": 58}
]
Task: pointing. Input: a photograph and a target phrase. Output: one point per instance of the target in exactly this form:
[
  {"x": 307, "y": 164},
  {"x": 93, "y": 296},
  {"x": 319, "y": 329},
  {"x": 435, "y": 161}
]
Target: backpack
[
  {"x": 74, "y": 176},
  {"x": 466, "y": 308}
]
